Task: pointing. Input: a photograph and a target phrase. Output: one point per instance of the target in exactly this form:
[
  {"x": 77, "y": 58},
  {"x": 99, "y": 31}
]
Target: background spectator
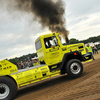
[
  {"x": 26, "y": 64},
  {"x": 35, "y": 63},
  {"x": 95, "y": 49},
  {"x": 19, "y": 66},
  {"x": 22, "y": 65},
  {"x": 32, "y": 62},
  {"x": 89, "y": 50}
]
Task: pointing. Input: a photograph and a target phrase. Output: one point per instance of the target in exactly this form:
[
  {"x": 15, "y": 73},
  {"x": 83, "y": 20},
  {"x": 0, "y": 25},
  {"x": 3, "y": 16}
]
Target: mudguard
[{"x": 72, "y": 55}]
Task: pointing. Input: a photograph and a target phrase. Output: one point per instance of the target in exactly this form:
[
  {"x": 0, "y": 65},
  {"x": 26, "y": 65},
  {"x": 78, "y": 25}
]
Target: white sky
[{"x": 18, "y": 31}]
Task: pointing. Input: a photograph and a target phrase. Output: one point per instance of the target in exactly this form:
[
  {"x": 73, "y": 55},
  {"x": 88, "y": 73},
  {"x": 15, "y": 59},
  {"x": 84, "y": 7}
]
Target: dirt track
[{"x": 86, "y": 87}]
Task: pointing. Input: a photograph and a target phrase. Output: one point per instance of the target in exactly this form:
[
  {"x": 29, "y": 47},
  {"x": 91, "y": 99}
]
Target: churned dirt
[{"x": 62, "y": 87}]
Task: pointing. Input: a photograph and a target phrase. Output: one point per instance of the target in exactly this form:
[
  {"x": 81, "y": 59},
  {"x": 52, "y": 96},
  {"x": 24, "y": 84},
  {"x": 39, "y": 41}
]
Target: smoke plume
[{"x": 49, "y": 13}]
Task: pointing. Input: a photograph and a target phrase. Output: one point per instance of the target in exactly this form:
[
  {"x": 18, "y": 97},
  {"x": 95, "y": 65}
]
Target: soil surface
[{"x": 62, "y": 87}]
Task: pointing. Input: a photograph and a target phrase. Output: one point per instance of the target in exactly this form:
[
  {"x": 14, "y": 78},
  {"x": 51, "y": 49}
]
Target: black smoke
[{"x": 49, "y": 13}]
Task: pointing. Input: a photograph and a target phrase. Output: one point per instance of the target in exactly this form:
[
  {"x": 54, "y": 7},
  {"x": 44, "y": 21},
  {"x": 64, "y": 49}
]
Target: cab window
[
  {"x": 50, "y": 41},
  {"x": 38, "y": 45}
]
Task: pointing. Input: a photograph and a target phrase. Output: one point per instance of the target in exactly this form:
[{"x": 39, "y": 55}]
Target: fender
[{"x": 71, "y": 55}]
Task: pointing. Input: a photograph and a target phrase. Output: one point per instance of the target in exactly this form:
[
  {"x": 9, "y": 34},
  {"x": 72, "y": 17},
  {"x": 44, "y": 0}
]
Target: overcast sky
[{"x": 18, "y": 31}]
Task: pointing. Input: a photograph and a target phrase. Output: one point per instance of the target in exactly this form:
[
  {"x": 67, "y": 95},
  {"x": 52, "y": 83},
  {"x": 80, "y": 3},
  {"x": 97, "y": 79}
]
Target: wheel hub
[
  {"x": 75, "y": 68},
  {"x": 2, "y": 90}
]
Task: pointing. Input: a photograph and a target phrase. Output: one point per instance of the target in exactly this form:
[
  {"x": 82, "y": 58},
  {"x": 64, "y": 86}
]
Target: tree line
[{"x": 90, "y": 39}]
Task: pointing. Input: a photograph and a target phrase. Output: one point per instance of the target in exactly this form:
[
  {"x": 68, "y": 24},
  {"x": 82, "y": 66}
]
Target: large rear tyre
[
  {"x": 8, "y": 88},
  {"x": 74, "y": 68}
]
